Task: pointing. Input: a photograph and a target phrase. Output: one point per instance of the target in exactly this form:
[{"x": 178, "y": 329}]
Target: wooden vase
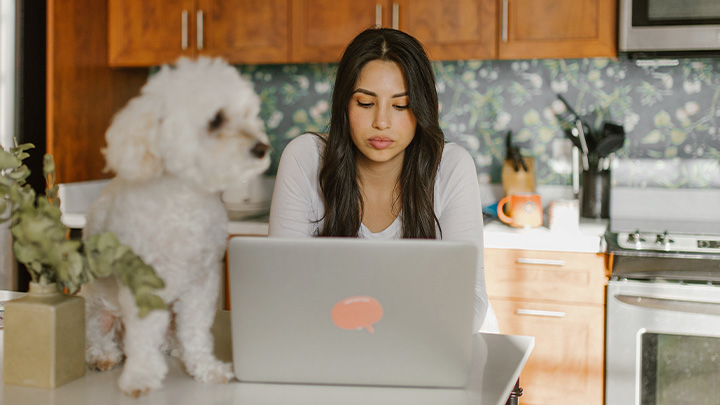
[{"x": 44, "y": 338}]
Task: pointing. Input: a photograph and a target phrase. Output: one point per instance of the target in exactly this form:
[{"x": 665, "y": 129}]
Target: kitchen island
[{"x": 497, "y": 363}]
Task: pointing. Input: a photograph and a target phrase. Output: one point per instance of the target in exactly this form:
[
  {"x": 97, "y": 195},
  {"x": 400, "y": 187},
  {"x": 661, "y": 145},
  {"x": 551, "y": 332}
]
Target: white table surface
[{"x": 498, "y": 361}]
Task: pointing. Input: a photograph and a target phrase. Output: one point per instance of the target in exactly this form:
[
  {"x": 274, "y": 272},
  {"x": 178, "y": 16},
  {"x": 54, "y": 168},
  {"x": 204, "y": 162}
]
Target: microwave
[{"x": 669, "y": 26}]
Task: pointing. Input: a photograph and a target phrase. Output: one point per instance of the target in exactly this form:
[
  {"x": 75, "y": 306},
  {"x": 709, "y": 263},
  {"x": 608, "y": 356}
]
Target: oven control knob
[
  {"x": 663, "y": 239},
  {"x": 635, "y": 237}
]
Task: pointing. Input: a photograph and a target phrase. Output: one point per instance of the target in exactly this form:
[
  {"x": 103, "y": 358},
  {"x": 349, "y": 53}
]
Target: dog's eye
[{"x": 217, "y": 121}]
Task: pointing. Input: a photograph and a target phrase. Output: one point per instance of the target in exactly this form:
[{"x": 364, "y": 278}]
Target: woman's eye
[
  {"x": 402, "y": 107},
  {"x": 364, "y": 105}
]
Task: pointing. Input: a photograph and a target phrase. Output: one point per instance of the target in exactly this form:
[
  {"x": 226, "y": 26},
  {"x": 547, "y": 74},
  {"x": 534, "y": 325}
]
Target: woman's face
[{"x": 382, "y": 123}]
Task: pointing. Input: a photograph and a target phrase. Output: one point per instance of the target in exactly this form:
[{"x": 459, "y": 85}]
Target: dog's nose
[{"x": 259, "y": 150}]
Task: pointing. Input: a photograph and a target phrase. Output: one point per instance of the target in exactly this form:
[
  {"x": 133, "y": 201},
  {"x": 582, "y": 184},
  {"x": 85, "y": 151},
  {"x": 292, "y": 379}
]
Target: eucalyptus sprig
[{"x": 41, "y": 240}]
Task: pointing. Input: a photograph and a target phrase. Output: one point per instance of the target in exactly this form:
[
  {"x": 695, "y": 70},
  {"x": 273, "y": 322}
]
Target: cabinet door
[
  {"x": 558, "y": 29},
  {"x": 566, "y": 365},
  {"x": 321, "y": 29},
  {"x": 243, "y": 31},
  {"x": 149, "y": 32},
  {"x": 450, "y": 29}
]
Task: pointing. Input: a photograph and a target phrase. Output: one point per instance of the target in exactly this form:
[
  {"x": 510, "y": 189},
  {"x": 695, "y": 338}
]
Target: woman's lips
[{"x": 379, "y": 142}]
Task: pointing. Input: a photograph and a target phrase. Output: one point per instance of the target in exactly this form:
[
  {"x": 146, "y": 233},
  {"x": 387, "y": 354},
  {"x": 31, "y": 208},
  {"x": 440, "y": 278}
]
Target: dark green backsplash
[{"x": 670, "y": 114}]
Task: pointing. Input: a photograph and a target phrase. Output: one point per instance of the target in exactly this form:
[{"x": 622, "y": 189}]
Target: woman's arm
[
  {"x": 459, "y": 212},
  {"x": 295, "y": 203}
]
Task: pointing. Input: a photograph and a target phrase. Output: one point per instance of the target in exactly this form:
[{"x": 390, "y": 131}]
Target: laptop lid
[{"x": 352, "y": 311}]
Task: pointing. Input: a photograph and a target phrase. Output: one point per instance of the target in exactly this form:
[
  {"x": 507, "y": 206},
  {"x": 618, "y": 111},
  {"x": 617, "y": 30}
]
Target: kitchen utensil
[
  {"x": 512, "y": 153},
  {"x": 590, "y": 138},
  {"x": 583, "y": 144},
  {"x": 525, "y": 210},
  {"x": 572, "y": 135},
  {"x": 613, "y": 139}
]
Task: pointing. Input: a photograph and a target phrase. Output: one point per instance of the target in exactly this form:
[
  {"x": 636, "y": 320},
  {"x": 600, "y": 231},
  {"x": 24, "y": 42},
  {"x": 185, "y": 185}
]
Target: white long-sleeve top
[{"x": 297, "y": 204}]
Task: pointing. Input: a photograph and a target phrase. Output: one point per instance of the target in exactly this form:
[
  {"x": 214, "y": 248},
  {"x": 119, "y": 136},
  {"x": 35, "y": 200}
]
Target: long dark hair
[{"x": 338, "y": 176}]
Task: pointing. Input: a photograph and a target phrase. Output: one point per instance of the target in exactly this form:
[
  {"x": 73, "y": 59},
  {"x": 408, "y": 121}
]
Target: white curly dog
[{"x": 193, "y": 132}]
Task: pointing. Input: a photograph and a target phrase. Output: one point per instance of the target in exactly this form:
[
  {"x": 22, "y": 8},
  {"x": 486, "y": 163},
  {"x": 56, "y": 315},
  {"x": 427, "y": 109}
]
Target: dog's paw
[
  {"x": 136, "y": 384},
  {"x": 99, "y": 361},
  {"x": 142, "y": 375},
  {"x": 212, "y": 371}
]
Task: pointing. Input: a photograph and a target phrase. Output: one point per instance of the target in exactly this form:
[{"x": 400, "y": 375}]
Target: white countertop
[
  {"x": 77, "y": 197},
  {"x": 587, "y": 239},
  {"x": 498, "y": 361},
  {"x": 498, "y": 235}
]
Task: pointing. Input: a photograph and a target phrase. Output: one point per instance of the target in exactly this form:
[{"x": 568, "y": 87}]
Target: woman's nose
[{"x": 382, "y": 119}]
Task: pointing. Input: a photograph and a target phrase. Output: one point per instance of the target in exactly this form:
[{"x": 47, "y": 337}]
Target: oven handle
[{"x": 694, "y": 307}]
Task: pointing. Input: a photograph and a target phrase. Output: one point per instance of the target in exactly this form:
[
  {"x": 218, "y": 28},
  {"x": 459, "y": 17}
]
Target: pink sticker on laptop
[{"x": 356, "y": 313}]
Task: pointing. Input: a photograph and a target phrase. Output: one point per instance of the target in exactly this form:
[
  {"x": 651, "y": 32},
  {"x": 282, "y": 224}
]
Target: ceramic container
[{"x": 44, "y": 338}]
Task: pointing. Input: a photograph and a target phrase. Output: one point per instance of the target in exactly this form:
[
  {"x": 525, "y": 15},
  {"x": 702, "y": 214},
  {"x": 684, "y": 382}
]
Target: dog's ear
[{"x": 131, "y": 141}]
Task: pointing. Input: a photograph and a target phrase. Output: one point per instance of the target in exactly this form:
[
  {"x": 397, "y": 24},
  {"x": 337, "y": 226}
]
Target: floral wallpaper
[{"x": 670, "y": 114}]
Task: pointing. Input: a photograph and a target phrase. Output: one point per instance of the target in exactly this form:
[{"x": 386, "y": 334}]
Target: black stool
[{"x": 515, "y": 394}]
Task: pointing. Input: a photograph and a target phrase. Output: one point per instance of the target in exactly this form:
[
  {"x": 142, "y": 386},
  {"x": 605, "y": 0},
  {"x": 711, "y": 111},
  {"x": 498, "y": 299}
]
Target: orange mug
[{"x": 525, "y": 210}]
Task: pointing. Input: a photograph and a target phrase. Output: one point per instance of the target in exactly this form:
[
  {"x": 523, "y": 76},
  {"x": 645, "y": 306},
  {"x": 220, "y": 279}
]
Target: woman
[{"x": 383, "y": 171}]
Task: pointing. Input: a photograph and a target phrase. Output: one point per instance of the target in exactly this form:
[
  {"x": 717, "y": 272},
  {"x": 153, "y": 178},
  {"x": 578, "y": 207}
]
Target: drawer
[
  {"x": 566, "y": 364},
  {"x": 545, "y": 275}
]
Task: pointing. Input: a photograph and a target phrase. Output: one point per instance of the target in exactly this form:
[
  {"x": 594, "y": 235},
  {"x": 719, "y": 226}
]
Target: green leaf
[
  {"x": 8, "y": 161},
  {"x": 48, "y": 164}
]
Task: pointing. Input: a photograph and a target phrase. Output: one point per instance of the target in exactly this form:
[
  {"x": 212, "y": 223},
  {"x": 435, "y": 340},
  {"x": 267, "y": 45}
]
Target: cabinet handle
[
  {"x": 546, "y": 262},
  {"x": 184, "y": 29},
  {"x": 537, "y": 312},
  {"x": 505, "y": 20},
  {"x": 378, "y": 15},
  {"x": 396, "y": 16},
  {"x": 199, "y": 24}
]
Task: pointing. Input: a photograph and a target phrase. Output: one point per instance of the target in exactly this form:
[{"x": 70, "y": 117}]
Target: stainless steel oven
[
  {"x": 663, "y": 343},
  {"x": 669, "y": 25},
  {"x": 663, "y": 298}
]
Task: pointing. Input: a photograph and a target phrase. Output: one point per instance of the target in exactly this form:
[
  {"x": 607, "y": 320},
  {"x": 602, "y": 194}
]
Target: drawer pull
[
  {"x": 541, "y": 261},
  {"x": 396, "y": 16},
  {"x": 184, "y": 30},
  {"x": 536, "y": 312},
  {"x": 199, "y": 21},
  {"x": 505, "y": 20}
]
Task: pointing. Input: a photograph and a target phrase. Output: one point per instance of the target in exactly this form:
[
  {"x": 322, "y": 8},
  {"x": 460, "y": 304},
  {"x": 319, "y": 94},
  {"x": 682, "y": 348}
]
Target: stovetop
[
  {"x": 668, "y": 242},
  {"x": 670, "y": 234},
  {"x": 671, "y": 257}
]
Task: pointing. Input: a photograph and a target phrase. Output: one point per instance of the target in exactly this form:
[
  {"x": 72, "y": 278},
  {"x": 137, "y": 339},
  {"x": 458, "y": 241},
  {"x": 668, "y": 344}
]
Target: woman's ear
[{"x": 131, "y": 150}]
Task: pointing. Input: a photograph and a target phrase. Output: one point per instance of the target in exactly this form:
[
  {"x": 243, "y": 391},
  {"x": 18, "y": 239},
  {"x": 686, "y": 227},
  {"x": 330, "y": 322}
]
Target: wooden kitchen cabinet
[
  {"x": 558, "y": 297},
  {"x": 154, "y": 32},
  {"x": 557, "y": 29},
  {"x": 82, "y": 92},
  {"x": 449, "y": 30}
]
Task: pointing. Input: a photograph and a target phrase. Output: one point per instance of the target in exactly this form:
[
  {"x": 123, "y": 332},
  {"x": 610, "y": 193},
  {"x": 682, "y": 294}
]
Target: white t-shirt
[{"x": 297, "y": 203}]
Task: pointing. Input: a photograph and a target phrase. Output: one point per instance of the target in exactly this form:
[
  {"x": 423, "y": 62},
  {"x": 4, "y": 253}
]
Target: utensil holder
[
  {"x": 518, "y": 181},
  {"x": 595, "y": 194}
]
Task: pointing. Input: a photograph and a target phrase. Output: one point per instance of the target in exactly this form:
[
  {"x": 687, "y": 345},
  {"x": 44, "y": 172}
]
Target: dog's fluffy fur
[{"x": 192, "y": 132}]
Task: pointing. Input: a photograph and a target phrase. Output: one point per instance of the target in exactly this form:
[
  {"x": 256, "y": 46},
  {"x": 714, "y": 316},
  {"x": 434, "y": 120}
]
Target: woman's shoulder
[
  {"x": 304, "y": 143},
  {"x": 302, "y": 153},
  {"x": 454, "y": 154}
]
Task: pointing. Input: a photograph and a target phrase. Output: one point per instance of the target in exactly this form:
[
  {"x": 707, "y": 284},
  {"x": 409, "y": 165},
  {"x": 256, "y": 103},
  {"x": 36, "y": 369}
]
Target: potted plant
[{"x": 44, "y": 334}]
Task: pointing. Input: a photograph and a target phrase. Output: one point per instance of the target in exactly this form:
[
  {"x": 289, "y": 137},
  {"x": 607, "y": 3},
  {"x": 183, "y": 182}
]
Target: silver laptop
[{"x": 352, "y": 311}]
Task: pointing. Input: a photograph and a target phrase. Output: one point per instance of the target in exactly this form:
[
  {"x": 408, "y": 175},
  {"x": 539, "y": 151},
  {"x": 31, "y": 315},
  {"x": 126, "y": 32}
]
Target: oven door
[{"x": 662, "y": 343}]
